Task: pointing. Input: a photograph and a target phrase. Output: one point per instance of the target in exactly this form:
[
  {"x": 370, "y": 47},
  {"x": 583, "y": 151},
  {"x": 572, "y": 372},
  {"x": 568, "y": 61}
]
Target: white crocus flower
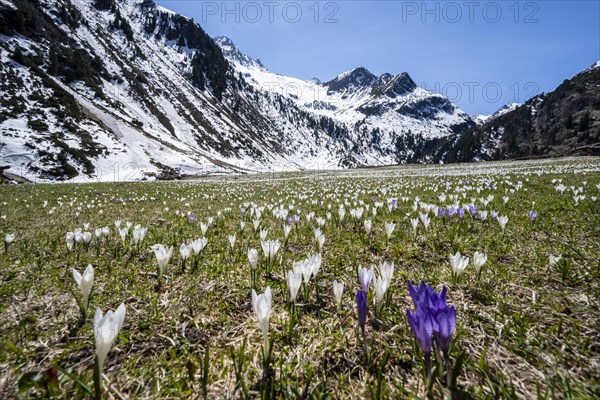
[
  {"x": 386, "y": 270},
  {"x": 262, "y": 305},
  {"x": 414, "y": 222},
  {"x": 303, "y": 268},
  {"x": 381, "y": 285},
  {"x": 502, "y": 221},
  {"x": 70, "y": 240},
  {"x": 478, "y": 260},
  {"x": 342, "y": 213},
  {"x": 123, "y": 233},
  {"x": 139, "y": 232},
  {"x": 163, "y": 255},
  {"x": 77, "y": 235},
  {"x": 286, "y": 231},
  {"x": 87, "y": 237},
  {"x": 85, "y": 283},
  {"x": 203, "y": 228},
  {"x": 263, "y": 234},
  {"x": 426, "y": 221},
  {"x": 106, "y": 330},
  {"x": 458, "y": 263},
  {"x": 315, "y": 261},
  {"x": 389, "y": 229},
  {"x": 253, "y": 258},
  {"x": 338, "y": 290},
  {"x": 270, "y": 248},
  {"x": 368, "y": 225},
  {"x": 321, "y": 241},
  {"x": 294, "y": 280},
  {"x": 553, "y": 260},
  {"x": 185, "y": 250},
  {"x": 231, "y": 241},
  {"x": 198, "y": 245}
]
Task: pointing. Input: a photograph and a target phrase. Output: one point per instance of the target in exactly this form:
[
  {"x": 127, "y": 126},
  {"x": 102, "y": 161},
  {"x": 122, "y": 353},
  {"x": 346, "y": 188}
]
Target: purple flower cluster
[
  {"x": 451, "y": 211},
  {"x": 432, "y": 318}
]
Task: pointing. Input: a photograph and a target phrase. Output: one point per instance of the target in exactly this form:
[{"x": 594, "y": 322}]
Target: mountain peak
[
  {"x": 224, "y": 41},
  {"x": 352, "y": 80},
  {"x": 596, "y": 65},
  {"x": 354, "y": 71},
  {"x": 504, "y": 109},
  {"x": 235, "y": 56},
  {"x": 393, "y": 86}
]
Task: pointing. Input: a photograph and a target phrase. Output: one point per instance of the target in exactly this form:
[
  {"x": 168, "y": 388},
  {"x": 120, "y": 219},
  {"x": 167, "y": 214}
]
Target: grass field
[{"x": 526, "y": 326}]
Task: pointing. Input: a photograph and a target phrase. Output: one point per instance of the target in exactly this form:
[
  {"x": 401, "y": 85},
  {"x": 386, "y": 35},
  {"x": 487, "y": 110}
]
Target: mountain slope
[
  {"x": 388, "y": 109},
  {"x": 91, "y": 87},
  {"x": 561, "y": 122}
]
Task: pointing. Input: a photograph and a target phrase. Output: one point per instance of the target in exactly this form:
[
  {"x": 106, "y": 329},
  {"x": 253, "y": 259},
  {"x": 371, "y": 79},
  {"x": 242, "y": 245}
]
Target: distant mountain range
[{"x": 107, "y": 89}]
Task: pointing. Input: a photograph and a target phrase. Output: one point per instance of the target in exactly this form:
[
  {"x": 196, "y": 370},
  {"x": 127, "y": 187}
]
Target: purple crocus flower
[
  {"x": 493, "y": 215},
  {"x": 451, "y": 212},
  {"x": 394, "y": 202},
  {"x": 460, "y": 212},
  {"x": 361, "y": 307},
  {"x": 432, "y": 319},
  {"x": 418, "y": 294},
  {"x": 289, "y": 220},
  {"x": 444, "y": 325},
  {"x": 437, "y": 302},
  {"x": 441, "y": 212},
  {"x": 422, "y": 327},
  {"x": 532, "y": 215},
  {"x": 191, "y": 218},
  {"x": 427, "y": 297},
  {"x": 472, "y": 210},
  {"x": 296, "y": 218},
  {"x": 243, "y": 210}
]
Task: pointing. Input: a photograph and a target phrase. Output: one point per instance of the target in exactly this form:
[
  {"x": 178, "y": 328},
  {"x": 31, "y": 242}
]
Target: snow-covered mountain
[
  {"x": 391, "y": 104},
  {"x": 565, "y": 121},
  {"x": 503, "y": 110},
  {"x": 125, "y": 89}
]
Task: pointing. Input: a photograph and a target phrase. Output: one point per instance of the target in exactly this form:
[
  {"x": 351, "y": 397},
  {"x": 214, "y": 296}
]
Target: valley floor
[{"x": 526, "y": 324}]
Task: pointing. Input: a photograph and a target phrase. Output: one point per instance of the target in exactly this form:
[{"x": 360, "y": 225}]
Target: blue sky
[{"x": 481, "y": 54}]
